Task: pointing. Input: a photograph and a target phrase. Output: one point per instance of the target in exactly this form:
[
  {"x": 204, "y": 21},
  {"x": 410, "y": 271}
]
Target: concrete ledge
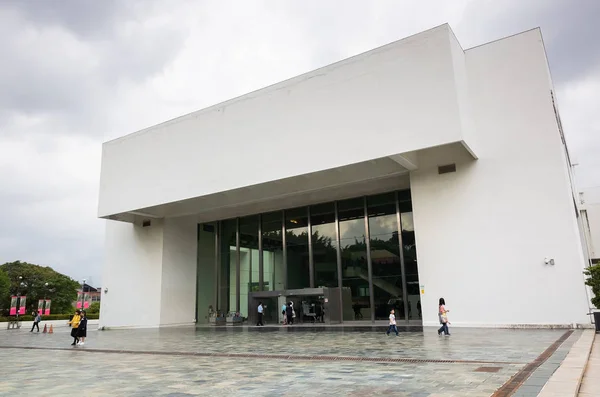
[
  {"x": 102, "y": 327},
  {"x": 514, "y": 326},
  {"x": 566, "y": 381},
  {"x": 591, "y": 381},
  {"x": 55, "y": 324}
]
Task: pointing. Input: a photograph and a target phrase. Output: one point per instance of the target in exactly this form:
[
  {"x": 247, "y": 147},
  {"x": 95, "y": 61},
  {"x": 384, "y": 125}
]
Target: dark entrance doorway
[{"x": 311, "y": 305}]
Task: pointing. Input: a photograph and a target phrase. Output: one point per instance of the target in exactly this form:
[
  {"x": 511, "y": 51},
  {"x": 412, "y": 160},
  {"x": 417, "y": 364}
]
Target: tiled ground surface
[
  {"x": 590, "y": 385},
  {"x": 53, "y": 372},
  {"x": 534, "y": 384}
]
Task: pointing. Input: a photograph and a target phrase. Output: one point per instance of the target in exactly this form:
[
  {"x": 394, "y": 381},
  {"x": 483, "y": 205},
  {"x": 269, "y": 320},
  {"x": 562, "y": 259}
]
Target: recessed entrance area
[{"x": 341, "y": 261}]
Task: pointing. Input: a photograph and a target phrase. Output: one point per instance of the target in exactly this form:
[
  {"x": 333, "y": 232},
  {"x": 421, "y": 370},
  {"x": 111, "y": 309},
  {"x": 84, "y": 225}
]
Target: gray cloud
[
  {"x": 88, "y": 18},
  {"x": 60, "y": 64},
  {"x": 570, "y": 29}
]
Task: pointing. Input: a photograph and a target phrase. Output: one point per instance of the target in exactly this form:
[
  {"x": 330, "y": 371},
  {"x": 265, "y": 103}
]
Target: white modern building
[{"x": 415, "y": 171}]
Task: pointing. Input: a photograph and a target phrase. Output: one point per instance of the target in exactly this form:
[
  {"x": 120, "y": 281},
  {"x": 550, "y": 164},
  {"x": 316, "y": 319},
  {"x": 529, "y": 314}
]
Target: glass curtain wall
[
  {"x": 324, "y": 245},
  {"x": 206, "y": 282},
  {"x": 272, "y": 250},
  {"x": 355, "y": 274},
  {"x": 227, "y": 256},
  {"x": 296, "y": 239},
  {"x": 409, "y": 250},
  {"x": 249, "y": 276},
  {"x": 302, "y": 242},
  {"x": 385, "y": 256}
]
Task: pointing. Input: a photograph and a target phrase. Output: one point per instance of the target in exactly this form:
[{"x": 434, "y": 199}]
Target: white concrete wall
[
  {"x": 150, "y": 273},
  {"x": 133, "y": 275},
  {"x": 403, "y": 95},
  {"x": 483, "y": 232},
  {"x": 179, "y": 264}
]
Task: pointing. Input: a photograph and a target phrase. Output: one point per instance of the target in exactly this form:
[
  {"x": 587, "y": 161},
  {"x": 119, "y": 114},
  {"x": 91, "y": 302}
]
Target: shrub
[{"x": 593, "y": 280}]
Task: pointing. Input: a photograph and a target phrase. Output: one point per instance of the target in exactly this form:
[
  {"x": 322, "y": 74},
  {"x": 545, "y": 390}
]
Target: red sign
[
  {"x": 47, "y": 311},
  {"x": 41, "y": 307},
  {"x": 86, "y": 300},
  {"x": 78, "y": 300},
  {"x": 13, "y": 305},
  {"x": 22, "y": 304}
]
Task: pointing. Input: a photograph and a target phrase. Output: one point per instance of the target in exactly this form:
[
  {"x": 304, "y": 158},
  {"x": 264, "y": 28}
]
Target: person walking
[
  {"x": 36, "y": 321},
  {"x": 443, "y": 316},
  {"x": 261, "y": 310},
  {"x": 392, "y": 326},
  {"x": 283, "y": 312},
  {"x": 289, "y": 314},
  {"x": 74, "y": 323},
  {"x": 82, "y": 329}
]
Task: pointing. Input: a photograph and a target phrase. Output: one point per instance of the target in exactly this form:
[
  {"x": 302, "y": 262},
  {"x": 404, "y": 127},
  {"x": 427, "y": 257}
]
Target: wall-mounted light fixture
[
  {"x": 106, "y": 290},
  {"x": 549, "y": 261}
]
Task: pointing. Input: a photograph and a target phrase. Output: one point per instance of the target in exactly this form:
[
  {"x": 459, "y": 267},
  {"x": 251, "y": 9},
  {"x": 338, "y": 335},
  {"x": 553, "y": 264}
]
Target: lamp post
[
  {"x": 21, "y": 285},
  {"x": 46, "y": 290},
  {"x": 82, "y": 294}
]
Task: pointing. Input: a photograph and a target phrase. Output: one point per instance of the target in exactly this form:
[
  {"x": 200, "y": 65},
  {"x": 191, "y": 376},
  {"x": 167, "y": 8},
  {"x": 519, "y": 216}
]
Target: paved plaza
[{"x": 274, "y": 362}]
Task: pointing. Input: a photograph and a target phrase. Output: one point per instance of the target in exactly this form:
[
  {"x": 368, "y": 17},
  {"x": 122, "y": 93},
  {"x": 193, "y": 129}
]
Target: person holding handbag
[
  {"x": 74, "y": 323},
  {"x": 443, "y": 316}
]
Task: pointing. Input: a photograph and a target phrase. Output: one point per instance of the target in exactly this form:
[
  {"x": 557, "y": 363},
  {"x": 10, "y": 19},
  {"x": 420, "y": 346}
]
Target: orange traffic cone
[
  {"x": 51, "y": 331},
  {"x": 45, "y": 329}
]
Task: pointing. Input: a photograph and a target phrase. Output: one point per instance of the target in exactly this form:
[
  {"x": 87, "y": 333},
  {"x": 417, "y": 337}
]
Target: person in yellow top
[{"x": 75, "y": 324}]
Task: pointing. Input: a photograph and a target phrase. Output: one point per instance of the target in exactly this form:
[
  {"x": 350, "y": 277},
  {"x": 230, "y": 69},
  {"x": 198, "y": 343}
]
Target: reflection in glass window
[
  {"x": 227, "y": 276},
  {"x": 385, "y": 256},
  {"x": 248, "y": 259},
  {"x": 409, "y": 249},
  {"x": 355, "y": 276},
  {"x": 273, "y": 271},
  {"x": 324, "y": 244},
  {"x": 296, "y": 238},
  {"x": 205, "y": 274},
  {"x": 381, "y": 212}
]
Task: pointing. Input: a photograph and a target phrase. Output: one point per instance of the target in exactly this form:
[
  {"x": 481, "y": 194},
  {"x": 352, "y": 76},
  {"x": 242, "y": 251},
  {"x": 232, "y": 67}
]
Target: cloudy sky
[{"x": 74, "y": 73}]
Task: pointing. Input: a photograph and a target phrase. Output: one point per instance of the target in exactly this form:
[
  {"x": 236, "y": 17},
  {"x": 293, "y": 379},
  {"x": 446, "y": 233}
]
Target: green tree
[
  {"x": 94, "y": 308},
  {"x": 4, "y": 291},
  {"x": 593, "y": 280},
  {"x": 61, "y": 289}
]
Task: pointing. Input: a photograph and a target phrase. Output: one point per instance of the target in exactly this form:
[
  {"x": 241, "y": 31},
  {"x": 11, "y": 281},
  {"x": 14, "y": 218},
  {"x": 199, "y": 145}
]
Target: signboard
[
  {"x": 22, "y": 304},
  {"x": 41, "y": 307},
  {"x": 47, "y": 311},
  {"x": 86, "y": 300},
  {"x": 13, "y": 305},
  {"x": 78, "y": 300}
]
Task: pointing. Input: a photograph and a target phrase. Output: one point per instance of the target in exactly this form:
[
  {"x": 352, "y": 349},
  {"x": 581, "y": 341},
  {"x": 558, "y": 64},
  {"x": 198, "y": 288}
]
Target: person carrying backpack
[{"x": 36, "y": 321}]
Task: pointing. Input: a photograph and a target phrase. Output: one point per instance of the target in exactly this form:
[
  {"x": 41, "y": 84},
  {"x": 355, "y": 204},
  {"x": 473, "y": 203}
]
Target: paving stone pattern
[
  {"x": 534, "y": 384},
  {"x": 55, "y": 372}
]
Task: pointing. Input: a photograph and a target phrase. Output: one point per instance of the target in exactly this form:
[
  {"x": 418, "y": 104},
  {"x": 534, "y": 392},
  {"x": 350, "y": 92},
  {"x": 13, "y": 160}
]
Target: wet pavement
[{"x": 275, "y": 362}]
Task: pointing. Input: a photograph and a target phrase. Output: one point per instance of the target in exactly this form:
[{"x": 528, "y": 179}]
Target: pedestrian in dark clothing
[
  {"x": 82, "y": 329},
  {"x": 36, "y": 322},
  {"x": 289, "y": 313}
]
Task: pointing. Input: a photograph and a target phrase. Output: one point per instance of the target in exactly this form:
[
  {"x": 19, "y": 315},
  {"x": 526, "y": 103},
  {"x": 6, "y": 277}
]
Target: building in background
[
  {"x": 90, "y": 295},
  {"x": 590, "y": 211},
  {"x": 415, "y": 171}
]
